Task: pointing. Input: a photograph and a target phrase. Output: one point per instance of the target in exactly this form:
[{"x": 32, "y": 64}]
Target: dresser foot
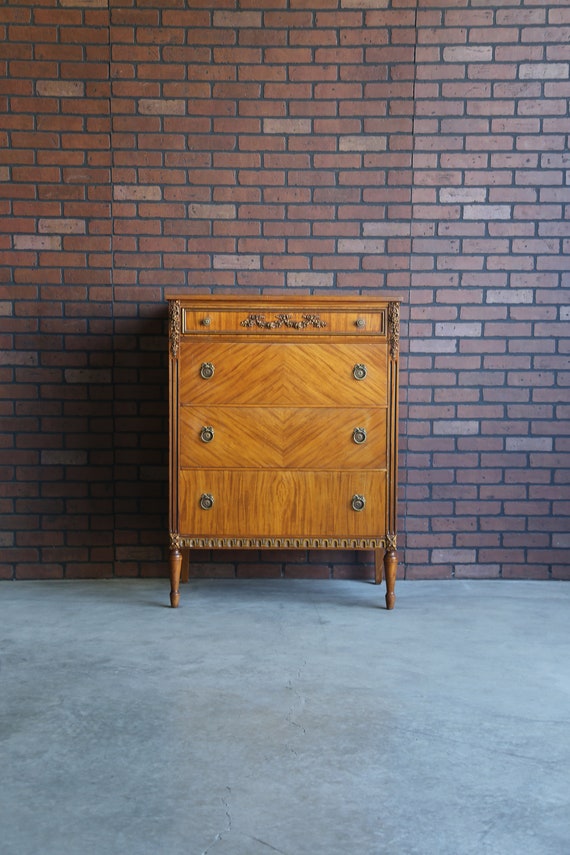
[
  {"x": 175, "y": 568},
  {"x": 390, "y": 569},
  {"x": 378, "y": 566},
  {"x": 185, "y": 572}
]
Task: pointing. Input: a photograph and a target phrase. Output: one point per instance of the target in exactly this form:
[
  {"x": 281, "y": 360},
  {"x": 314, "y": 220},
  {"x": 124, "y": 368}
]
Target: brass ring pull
[
  {"x": 359, "y": 435},
  {"x": 207, "y": 370},
  {"x": 206, "y": 501},
  {"x": 359, "y": 371},
  {"x": 358, "y": 503},
  {"x": 207, "y": 433}
]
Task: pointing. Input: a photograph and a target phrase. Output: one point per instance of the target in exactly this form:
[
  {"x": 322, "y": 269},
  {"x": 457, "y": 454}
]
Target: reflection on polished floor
[{"x": 292, "y": 717}]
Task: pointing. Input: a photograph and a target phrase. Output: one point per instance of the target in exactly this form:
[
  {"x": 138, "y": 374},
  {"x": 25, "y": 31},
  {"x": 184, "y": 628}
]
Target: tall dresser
[{"x": 283, "y": 426}]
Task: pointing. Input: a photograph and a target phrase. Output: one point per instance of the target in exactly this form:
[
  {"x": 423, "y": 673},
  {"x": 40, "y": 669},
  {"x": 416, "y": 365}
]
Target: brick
[
  {"x": 544, "y": 71},
  {"x": 362, "y": 143},
  {"x": 287, "y": 126},
  {"x": 150, "y": 106},
  {"x": 237, "y": 262},
  {"x": 136, "y": 192},
  {"x": 309, "y": 280},
  {"x": 37, "y": 242},
  {"x": 487, "y": 212},
  {"x": 236, "y": 20},
  {"x": 453, "y": 556},
  {"x": 218, "y": 212},
  {"x": 468, "y": 53},
  {"x": 364, "y": 4},
  {"x": 233, "y": 132}
]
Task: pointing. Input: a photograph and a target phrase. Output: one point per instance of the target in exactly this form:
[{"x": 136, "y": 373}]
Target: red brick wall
[
  {"x": 56, "y": 303},
  {"x": 407, "y": 148},
  {"x": 487, "y": 432}
]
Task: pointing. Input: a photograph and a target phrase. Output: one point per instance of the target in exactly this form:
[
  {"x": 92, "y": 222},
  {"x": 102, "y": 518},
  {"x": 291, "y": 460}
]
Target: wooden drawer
[
  {"x": 277, "y": 503},
  {"x": 301, "y": 374},
  {"x": 291, "y": 438},
  {"x": 286, "y": 321}
]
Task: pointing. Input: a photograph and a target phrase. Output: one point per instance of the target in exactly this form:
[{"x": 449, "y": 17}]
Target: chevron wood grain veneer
[{"x": 283, "y": 426}]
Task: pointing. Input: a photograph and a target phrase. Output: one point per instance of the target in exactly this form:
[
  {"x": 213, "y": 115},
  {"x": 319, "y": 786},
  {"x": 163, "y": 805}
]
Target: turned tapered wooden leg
[
  {"x": 175, "y": 567},
  {"x": 378, "y": 566},
  {"x": 185, "y": 572},
  {"x": 390, "y": 569}
]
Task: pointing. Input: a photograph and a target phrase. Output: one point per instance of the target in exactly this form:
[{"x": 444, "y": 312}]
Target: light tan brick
[
  {"x": 212, "y": 212},
  {"x": 362, "y": 143},
  {"x": 18, "y": 357},
  {"x": 361, "y": 245},
  {"x": 364, "y": 4},
  {"x": 37, "y": 242},
  {"x": 455, "y": 427},
  {"x": 529, "y": 443},
  {"x": 145, "y": 192},
  {"x": 237, "y": 262},
  {"x": 462, "y": 194},
  {"x": 433, "y": 345},
  {"x": 452, "y": 556},
  {"x": 89, "y": 4},
  {"x": 510, "y": 295},
  {"x": 64, "y": 458},
  {"x": 310, "y": 280},
  {"x": 459, "y": 330},
  {"x": 67, "y": 226},
  {"x": 287, "y": 126},
  {"x": 60, "y": 88},
  {"x": 544, "y": 71},
  {"x": 162, "y": 106},
  {"x": 468, "y": 53},
  {"x": 487, "y": 212},
  {"x": 237, "y": 19}
]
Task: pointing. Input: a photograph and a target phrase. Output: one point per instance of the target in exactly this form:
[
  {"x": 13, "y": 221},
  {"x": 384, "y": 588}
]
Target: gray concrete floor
[{"x": 292, "y": 717}]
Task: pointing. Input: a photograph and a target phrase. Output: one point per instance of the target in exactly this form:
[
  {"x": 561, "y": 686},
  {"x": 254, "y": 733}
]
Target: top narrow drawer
[{"x": 262, "y": 321}]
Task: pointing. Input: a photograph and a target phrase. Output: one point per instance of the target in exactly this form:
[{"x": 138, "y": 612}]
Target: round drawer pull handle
[
  {"x": 206, "y": 501},
  {"x": 358, "y": 503},
  {"x": 359, "y": 371},
  {"x": 206, "y": 322},
  {"x": 360, "y": 323},
  {"x": 207, "y": 370},
  {"x": 359, "y": 435},
  {"x": 207, "y": 433}
]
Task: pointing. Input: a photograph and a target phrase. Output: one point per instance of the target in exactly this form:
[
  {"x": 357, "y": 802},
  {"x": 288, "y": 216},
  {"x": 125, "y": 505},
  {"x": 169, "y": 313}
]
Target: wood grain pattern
[
  {"x": 211, "y": 321},
  {"x": 277, "y": 503},
  {"x": 282, "y": 469},
  {"x": 282, "y": 374},
  {"x": 285, "y": 437}
]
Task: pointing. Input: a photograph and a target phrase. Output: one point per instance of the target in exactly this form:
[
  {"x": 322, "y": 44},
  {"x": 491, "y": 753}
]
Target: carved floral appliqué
[
  {"x": 174, "y": 327},
  {"x": 394, "y": 329},
  {"x": 284, "y": 321}
]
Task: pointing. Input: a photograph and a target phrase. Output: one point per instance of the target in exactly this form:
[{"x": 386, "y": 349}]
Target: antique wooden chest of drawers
[{"x": 283, "y": 426}]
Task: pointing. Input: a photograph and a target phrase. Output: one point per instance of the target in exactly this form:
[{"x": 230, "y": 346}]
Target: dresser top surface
[{"x": 279, "y": 301}]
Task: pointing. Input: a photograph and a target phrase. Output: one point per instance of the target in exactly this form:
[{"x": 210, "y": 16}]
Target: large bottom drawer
[{"x": 277, "y": 503}]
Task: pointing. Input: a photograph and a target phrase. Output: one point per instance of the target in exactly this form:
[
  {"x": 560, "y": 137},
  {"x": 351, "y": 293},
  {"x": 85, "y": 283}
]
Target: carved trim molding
[
  {"x": 283, "y": 321},
  {"x": 175, "y": 324},
  {"x": 180, "y": 542},
  {"x": 175, "y": 541},
  {"x": 394, "y": 329}
]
